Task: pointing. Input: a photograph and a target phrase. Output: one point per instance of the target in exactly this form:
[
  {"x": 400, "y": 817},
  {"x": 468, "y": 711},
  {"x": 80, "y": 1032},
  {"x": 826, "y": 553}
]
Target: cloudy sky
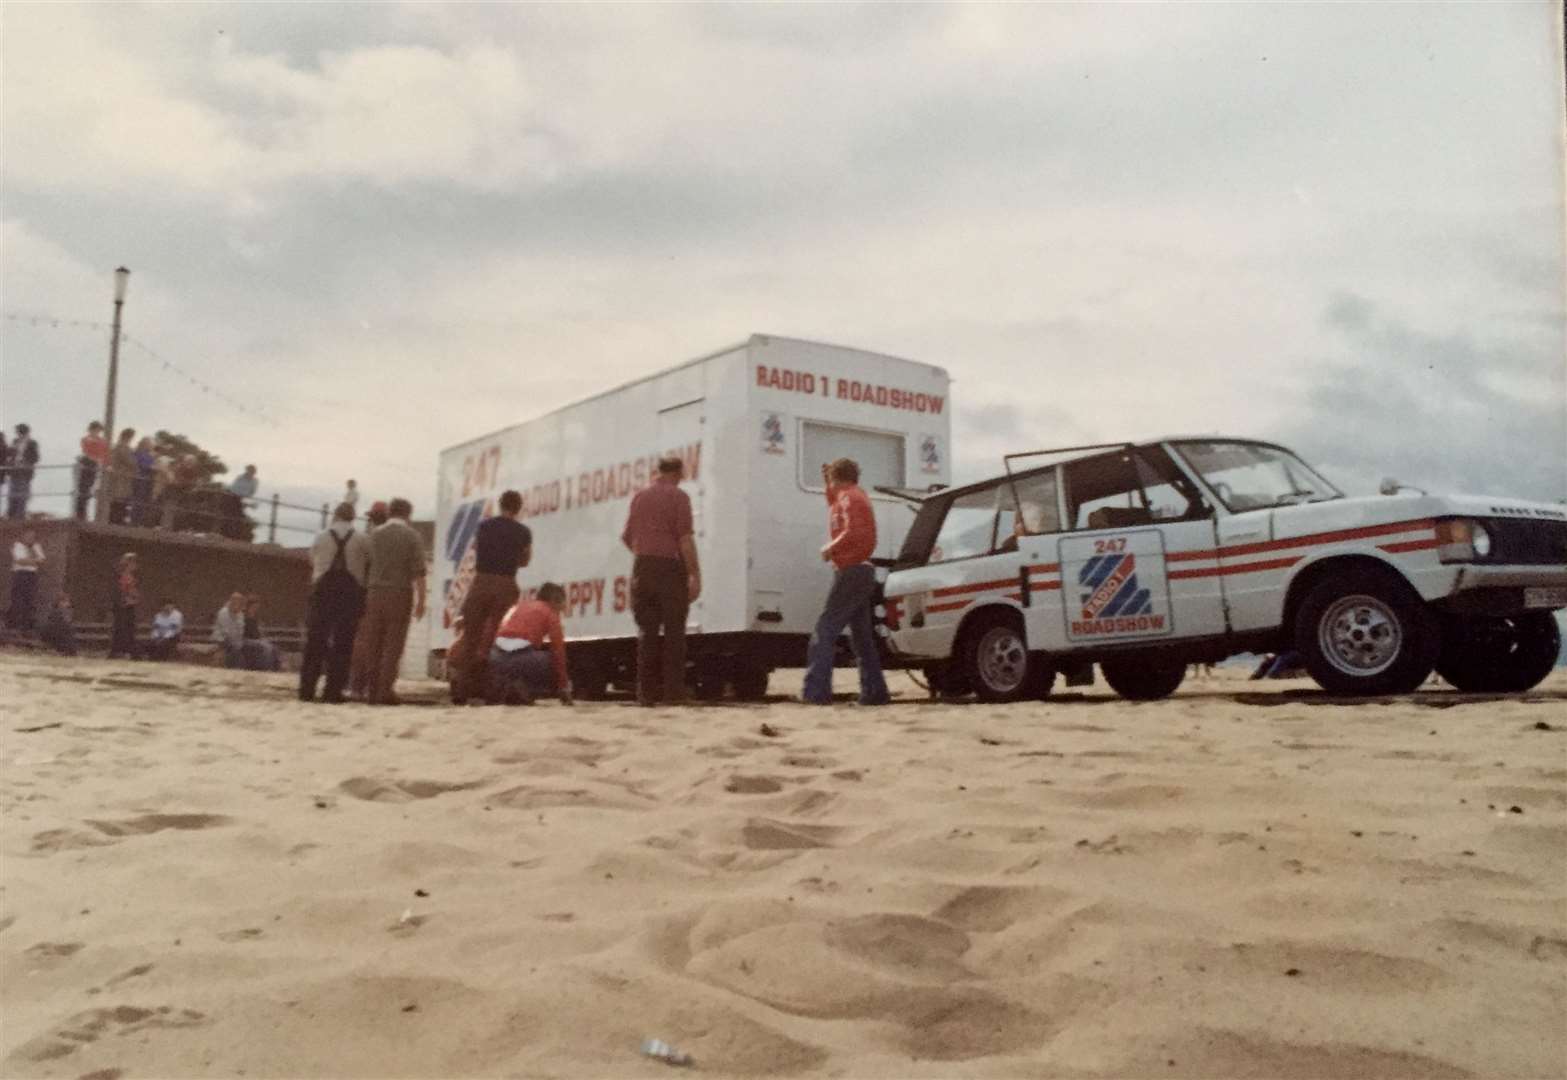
[{"x": 386, "y": 229}]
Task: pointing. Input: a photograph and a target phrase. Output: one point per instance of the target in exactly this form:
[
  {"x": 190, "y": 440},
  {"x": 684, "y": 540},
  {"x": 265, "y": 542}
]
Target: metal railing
[{"x": 179, "y": 509}]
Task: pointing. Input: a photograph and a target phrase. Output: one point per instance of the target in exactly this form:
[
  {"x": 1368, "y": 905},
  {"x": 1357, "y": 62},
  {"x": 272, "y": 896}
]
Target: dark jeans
[
  {"x": 489, "y": 597},
  {"x": 163, "y": 648},
  {"x": 24, "y": 594},
  {"x": 86, "y": 476},
  {"x": 660, "y": 598},
  {"x": 123, "y": 640},
  {"x": 848, "y": 604},
  {"x": 329, "y": 642},
  {"x": 533, "y": 668},
  {"x": 21, "y": 490}
]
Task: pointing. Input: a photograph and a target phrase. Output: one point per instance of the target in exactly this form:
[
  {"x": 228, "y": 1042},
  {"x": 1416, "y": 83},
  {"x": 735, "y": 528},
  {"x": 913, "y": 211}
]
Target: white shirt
[
  {"x": 229, "y": 627},
  {"x": 26, "y": 557},
  {"x": 351, "y": 496},
  {"x": 167, "y": 625},
  {"x": 356, "y": 552}
]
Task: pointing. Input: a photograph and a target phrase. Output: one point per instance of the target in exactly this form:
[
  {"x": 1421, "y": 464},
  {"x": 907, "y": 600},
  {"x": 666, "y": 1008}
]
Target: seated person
[
  {"x": 239, "y": 649},
  {"x": 167, "y": 626},
  {"x": 58, "y": 632},
  {"x": 519, "y": 668},
  {"x": 259, "y": 653}
]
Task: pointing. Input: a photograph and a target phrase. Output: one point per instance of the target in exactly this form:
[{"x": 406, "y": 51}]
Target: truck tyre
[
  {"x": 1143, "y": 678},
  {"x": 1508, "y": 654},
  {"x": 707, "y": 679},
  {"x": 589, "y": 678},
  {"x": 750, "y": 682},
  {"x": 1365, "y": 631},
  {"x": 995, "y": 658},
  {"x": 1041, "y": 676}
]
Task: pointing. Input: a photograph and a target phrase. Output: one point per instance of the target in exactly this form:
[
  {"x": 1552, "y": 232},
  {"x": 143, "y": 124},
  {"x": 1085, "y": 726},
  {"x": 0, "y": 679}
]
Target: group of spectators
[
  {"x": 151, "y": 484},
  {"x": 143, "y": 482},
  {"x": 366, "y": 588}
]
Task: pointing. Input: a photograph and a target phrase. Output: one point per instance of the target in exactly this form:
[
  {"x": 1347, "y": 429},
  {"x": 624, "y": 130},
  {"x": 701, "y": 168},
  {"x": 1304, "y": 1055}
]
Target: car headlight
[{"x": 1462, "y": 540}]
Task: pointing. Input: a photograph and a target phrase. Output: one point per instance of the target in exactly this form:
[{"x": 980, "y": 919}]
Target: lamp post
[{"x": 122, "y": 278}]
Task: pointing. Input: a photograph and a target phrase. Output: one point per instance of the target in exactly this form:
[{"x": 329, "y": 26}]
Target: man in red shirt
[
  {"x": 665, "y": 581},
  {"x": 852, "y": 525},
  {"x": 94, "y": 457},
  {"x": 520, "y": 669}
]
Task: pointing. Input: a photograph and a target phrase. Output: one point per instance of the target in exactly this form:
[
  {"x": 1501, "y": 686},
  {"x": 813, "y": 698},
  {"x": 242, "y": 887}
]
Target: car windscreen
[{"x": 1255, "y": 476}]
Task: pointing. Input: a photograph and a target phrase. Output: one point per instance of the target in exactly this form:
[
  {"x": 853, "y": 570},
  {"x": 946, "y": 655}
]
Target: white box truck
[{"x": 754, "y": 424}]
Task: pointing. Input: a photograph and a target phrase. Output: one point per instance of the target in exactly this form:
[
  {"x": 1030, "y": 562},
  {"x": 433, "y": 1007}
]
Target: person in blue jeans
[{"x": 852, "y": 525}]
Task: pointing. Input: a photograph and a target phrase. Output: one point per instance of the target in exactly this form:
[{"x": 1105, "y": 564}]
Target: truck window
[
  {"x": 878, "y": 453},
  {"x": 1104, "y": 493}
]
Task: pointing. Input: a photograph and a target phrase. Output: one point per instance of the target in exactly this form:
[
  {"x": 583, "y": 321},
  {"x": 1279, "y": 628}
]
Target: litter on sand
[{"x": 658, "y": 1048}]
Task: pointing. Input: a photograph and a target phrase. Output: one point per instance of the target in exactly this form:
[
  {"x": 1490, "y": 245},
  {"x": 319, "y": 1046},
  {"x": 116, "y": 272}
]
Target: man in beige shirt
[{"x": 396, "y": 591}]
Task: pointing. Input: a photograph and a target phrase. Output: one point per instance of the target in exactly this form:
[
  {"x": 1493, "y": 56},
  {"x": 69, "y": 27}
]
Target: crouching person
[{"x": 520, "y": 669}]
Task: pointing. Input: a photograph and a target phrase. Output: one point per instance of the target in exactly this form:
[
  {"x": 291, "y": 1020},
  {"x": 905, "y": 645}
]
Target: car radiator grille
[{"x": 1530, "y": 543}]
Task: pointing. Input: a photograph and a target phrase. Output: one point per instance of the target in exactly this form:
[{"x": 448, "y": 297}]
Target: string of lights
[{"x": 55, "y": 322}]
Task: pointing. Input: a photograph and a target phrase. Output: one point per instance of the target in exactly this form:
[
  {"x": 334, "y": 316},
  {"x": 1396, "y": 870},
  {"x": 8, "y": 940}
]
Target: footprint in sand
[
  {"x": 249, "y": 933},
  {"x": 764, "y": 834},
  {"x": 151, "y": 823},
  {"x": 752, "y": 785},
  {"x": 376, "y": 789},
  {"x": 48, "y": 951},
  {"x": 94, "y": 1024}
]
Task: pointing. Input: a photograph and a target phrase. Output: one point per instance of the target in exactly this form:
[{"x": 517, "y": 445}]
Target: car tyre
[
  {"x": 1499, "y": 654},
  {"x": 1365, "y": 632},
  {"x": 1143, "y": 678},
  {"x": 995, "y": 658}
]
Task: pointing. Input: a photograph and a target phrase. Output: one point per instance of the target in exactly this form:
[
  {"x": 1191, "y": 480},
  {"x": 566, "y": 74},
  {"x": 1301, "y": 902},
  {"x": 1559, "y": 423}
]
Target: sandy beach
[{"x": 203, "y": 877}]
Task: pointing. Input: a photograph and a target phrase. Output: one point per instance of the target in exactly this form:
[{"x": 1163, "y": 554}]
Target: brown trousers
[
  {"x": 660, "y": 598},
  {"x": 489, "y": 598},
  {"x": 384, "y": 632}
]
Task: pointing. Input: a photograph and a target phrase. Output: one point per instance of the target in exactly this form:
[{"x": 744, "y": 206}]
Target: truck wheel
[
  {"x": 995, "y": 657},
  {"x": 589, "y": 679},
  {"x": 945, "y": 679},
  {"x": 1041, "y": 676},
  {"x": 1143, "y": 678},
  {"x": 750, "y": 682},
  {"x": 707, "y": 679},
  {"x": 1499, "y": 655},
  {"x": 1366, "y": 632}
]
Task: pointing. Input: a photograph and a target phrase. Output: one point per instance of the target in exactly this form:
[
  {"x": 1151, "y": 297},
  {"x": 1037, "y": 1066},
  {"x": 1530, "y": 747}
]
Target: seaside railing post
[
  {"x": 323, "y": 515},
  {"x": 272, "y": 522}
]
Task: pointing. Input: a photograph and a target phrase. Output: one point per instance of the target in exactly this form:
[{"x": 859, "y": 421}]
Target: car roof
[{"x": 1079, "y": 453}]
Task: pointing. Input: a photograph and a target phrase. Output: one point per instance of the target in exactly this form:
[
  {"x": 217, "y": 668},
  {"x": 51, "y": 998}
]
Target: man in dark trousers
[
  {"x": 24, "y": 458},
  {"x": 665, "y": 581},
  {"x": 501, "y": 547},
  {"x": 851, "y": 524},
  {"x": 339, "y": 562},
  {"x": 396, "y": 592}
]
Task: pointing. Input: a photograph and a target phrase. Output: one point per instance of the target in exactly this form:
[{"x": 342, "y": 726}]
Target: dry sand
[{"x": 203, "y": 877}]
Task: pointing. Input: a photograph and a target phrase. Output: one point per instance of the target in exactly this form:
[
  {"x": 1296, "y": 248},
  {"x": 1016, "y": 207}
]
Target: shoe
[
  {"x": 332, "y": 699},
  {"x": 867, "y": 703},
  {"x": 814, "y": 701}
]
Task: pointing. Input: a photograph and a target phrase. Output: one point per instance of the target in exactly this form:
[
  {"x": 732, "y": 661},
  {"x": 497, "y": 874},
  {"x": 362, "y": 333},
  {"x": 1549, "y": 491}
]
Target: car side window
[
  {"x": 969, "y": 529},
  {"x": 1104, "y": 493},
  {"x": 1171, "y": 494},
  {"x": 1037, "y": 508}
]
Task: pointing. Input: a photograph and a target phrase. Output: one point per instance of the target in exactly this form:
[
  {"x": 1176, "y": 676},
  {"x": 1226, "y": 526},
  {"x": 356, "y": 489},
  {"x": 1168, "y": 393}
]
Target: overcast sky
[{"x": 389, "y": 229}]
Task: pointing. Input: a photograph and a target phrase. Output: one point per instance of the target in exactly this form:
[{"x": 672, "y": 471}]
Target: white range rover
[{"x": 1144, "y": 558}]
